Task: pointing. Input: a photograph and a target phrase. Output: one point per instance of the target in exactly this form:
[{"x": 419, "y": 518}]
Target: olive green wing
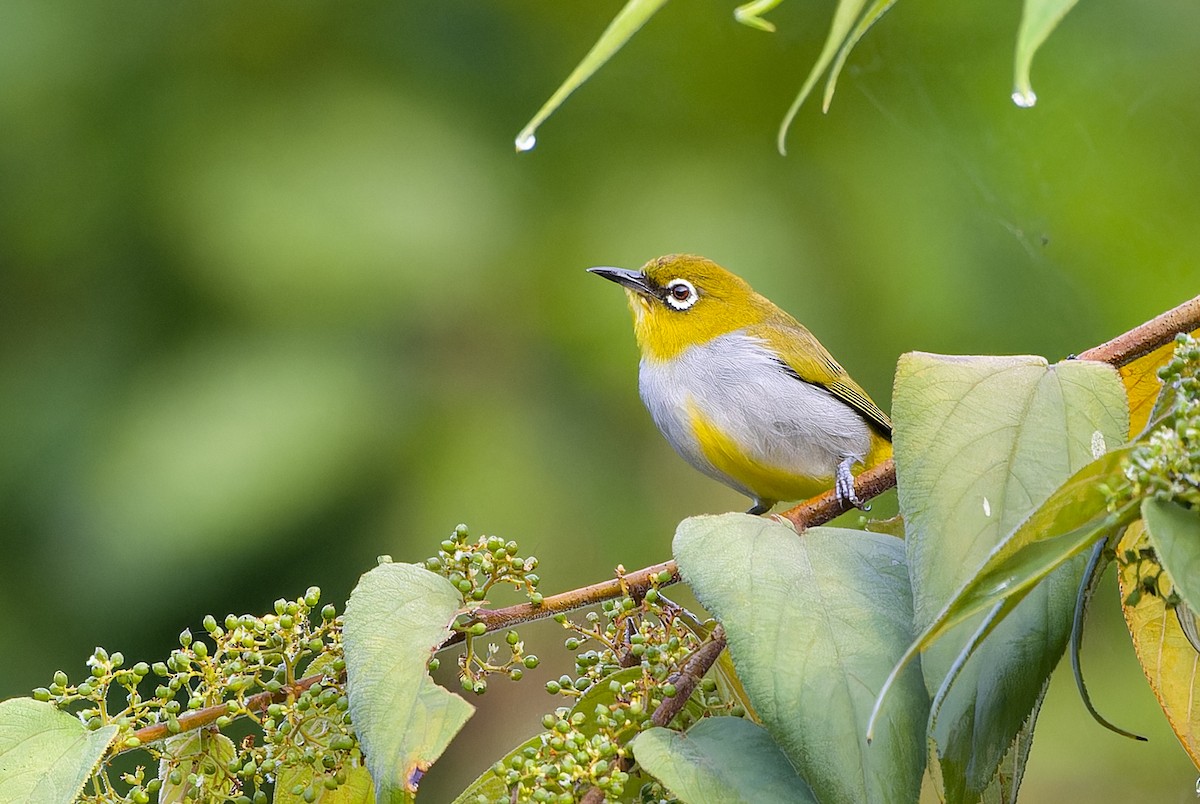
[{"x": 808, "y": 361}]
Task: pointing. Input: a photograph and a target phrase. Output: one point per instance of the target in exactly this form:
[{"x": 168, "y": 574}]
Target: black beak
[{"x": 634, "y": 280}]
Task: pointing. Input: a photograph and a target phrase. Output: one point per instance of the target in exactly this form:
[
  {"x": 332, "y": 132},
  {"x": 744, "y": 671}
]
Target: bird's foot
[{"x": 844, "y": 486}]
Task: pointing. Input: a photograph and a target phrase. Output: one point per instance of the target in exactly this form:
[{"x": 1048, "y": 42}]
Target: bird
[{"x": 742, "y": 390}]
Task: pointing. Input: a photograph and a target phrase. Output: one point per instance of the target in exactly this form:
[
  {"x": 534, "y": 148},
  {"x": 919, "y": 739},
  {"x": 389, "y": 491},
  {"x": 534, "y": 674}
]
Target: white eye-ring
[{"x": 681, "y": 294}]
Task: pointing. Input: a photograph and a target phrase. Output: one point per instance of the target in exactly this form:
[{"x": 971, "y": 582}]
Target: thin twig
[
  {"x": 634, "y": 584},
  {"x": 199, "y": 718},
  {"x": 1142, "y": 340}
]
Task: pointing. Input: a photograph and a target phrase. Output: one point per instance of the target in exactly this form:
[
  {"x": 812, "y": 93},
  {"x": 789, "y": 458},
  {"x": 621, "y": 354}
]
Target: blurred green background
[{"x": 277, "y": 295}]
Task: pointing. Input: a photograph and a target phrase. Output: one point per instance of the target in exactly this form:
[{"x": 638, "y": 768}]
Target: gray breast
[{"x": 736, "y": 382}]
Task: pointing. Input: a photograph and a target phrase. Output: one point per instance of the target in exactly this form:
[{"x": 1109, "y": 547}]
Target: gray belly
[{"x": 777, "y": 420}]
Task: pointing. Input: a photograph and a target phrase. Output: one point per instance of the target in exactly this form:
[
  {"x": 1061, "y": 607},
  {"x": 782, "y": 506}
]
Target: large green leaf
[
  {"x": 46, "y": 755},
  {"x": 1039, "y": 18},
  {"x": 1072, "y": 520},
  {"x": 1174, "y": 531},
  {"x": 981, "y": 443},
  {"x": 814, "y": 624},
  {"x": 201, "y": 757},
  {"x": 395, "y": 618},
  {"x": 628, "y": 21},
  {"x": 721, "y": 760}
]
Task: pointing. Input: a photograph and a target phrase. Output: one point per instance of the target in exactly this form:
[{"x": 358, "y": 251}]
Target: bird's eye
[{"x": 681, "y": 294}]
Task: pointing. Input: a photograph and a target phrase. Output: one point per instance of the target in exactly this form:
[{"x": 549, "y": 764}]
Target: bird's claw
[{"x": 844, "y": 486}]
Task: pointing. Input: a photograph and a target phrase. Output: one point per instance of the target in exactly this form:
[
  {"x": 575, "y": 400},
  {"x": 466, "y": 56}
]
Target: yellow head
[{"x": 680, "y": 300}]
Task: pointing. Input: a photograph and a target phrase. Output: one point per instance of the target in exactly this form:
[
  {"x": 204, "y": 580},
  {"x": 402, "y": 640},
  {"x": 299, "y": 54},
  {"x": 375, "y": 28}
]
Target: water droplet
[
  {"x": 526, "y": 141},
  {"x": 987, "y": 507},
  {"x": 1024, "y": 98}
]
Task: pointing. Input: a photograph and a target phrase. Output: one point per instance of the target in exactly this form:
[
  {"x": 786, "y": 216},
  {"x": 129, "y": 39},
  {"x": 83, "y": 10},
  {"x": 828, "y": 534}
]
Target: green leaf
[
  {"x": 1039, "y": 18},
  {"x": 814, "y": 624},
  {"x": 205, "y": 753},
  {"x": 751, "y": 14},
  {"x": 628, "y": 21},
  {"x": 1072, "y": 520},
  {"x": 1174, "y": 532},
  {"x": 721, "y": 760},
  {"x": 981, "y": 443},
  {"x": 395, "y": 618},
  {"x": 357, "y": 789},
  {"x": 844, "y": 18},
  {"x": 46, "y": 755},
  {"x": 877, "y": 10}
]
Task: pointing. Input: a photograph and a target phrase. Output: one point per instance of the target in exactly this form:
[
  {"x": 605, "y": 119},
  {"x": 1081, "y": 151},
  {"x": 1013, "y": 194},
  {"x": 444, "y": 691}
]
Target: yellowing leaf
[
  {"x": 1142, "y": 384},
  {"x": 1170, "y": 663}
]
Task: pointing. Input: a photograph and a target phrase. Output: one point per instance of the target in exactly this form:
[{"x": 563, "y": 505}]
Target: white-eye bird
[{"x": 742, "y": 390}]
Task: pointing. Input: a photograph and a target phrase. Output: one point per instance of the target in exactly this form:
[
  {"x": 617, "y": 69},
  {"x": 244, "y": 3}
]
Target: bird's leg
[
  {"x": 844, "y": 486},
  {"x": 760, "y": 507}
]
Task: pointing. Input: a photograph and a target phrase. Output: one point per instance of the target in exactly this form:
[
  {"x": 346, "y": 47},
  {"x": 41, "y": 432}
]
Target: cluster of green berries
[
  {"x": 476, "y": 568},
  {"x": 626, "y": 657},
  {"x": 233, "y": 670},
  {"x": 1167, "y": 463}
]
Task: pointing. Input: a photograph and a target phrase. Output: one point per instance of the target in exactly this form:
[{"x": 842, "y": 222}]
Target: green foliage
[
  {"x": 980, "y": 443},
  {"x": 1174, "y": 533},
  {"x": 629, "y": 656},
  {"x": 840, "y": 602},
  {"x": 46, "y": 755},
  {"x": 721, "y": 760},
  {"x": 349, "y": 714},
  {"x": 476, "y": 570},
  {"x": 1161, "y": 476},
  {"x": 395, "y": 618},
  {"x": 851, "y": 21},
  {"x": 242, "y": 666}
]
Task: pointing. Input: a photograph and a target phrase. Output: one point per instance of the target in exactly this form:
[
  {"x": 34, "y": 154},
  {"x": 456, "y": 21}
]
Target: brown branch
[
  {"x": 689, "y": 676},
  {"x": 632, "y": 583},
  {"x": 1142, "y": 340},
  {"x": 199, "y": 718},
  {"x": 1120, "y": 350},
  {"x": 824, "y": 507}
]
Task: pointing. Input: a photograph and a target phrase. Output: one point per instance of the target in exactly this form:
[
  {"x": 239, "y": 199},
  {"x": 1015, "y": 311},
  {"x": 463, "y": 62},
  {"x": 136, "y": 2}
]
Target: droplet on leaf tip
[
  {"x": 1025, "y": 98},
  {"x": 525, "y": 142}
]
